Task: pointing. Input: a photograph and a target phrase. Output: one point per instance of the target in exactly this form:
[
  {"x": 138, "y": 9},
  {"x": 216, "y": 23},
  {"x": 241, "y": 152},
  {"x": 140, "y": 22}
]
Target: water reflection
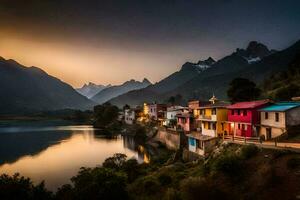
[
  {"x": 55, "y": 154},
  {"x": 142, "y": 153}
]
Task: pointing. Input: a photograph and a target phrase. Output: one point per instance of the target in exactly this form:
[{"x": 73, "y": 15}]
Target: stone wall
[{"x": 169, "y": 138}]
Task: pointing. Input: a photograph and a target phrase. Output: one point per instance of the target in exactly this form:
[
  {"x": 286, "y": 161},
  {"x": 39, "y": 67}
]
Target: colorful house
[
  {"x": 243, "y": 118},
  {"x": 185, "y": 121},
  {"x": 210, "y": 123},
  {"x": 276, "y": 119},
  {"x": 155, "y": 111},
  {"x": 201, "y": 144},
  {"x": 171, "y": 114},
  {"x": 212, "y": 117},
  {"x": 131, "y": 115}
]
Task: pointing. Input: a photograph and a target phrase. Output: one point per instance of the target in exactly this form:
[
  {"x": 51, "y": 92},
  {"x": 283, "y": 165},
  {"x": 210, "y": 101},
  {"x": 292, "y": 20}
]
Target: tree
[
  {"x": 19, "y": 187},
  {"x": 99, "y": 183},
  {"x": 242, "y": 89},
  {"x": 175, "y": 100},
  {"x": 286, "y": 93},
  {"x": 126, "y": 107},
  {"x": 115, "y": 162},
  {"x": 105, "y": 115}
]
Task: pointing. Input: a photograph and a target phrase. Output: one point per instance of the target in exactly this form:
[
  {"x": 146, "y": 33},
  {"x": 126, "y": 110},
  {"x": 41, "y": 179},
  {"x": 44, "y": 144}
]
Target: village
[{"x": 201, "y": 125}]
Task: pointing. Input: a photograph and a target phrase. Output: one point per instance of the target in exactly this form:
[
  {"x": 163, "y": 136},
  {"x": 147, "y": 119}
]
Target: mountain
[
  {"x": 187, "y": 72},
  {"x": 91, "y": 89},
  {"x": 114, "y": 91},
  {"x": 30, "y": 89},
  {"x": 255, "y": 62}
]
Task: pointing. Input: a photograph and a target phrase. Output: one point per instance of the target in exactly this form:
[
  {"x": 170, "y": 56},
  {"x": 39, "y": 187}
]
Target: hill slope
[
  {"x": 255, "y": 62},
  {"x": 187, "y": 72},
  {"x": 29, "y": 89},
  {"x": 114, "y": 91}
]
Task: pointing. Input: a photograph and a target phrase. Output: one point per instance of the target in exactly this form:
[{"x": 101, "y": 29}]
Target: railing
[{"x": 242, "y": 139}]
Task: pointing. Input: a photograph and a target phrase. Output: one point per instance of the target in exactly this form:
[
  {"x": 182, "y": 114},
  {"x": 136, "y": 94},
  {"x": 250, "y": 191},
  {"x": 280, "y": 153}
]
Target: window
[
  {"x": 239, "y": 126},
  {"x": 243, "y": 126},
  {"x": 214, "y": 126},
  {"x": 277, "y": 117},
  {"x": 244, "y": 112},
  {"x": 200, "y": 144},
  {"x": 266, "y": 115},
  {"x": 239, "y": 112},
  {"x": 232, "y": 112},
  {"x": 214, "y": 111}
]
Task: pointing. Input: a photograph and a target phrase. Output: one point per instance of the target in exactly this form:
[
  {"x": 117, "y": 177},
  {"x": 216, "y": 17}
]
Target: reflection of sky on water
[{"x": 55, "y": 154}]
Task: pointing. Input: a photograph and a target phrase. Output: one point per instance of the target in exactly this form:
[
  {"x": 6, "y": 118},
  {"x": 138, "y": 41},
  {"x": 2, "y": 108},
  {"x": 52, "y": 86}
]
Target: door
[{"x": 268, "y": 133}]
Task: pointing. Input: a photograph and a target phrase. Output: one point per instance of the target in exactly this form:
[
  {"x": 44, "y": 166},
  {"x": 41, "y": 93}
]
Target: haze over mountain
[
  {"x": 256, "y": 62},
  {"x": 30, "y": 89},
  {"x": 114, "y": 91},
  {"x": 91, "y": 89}
]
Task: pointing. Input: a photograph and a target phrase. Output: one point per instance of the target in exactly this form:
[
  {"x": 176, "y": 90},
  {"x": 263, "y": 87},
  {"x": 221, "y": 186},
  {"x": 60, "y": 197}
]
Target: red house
[{"x": 243, "y": 118}]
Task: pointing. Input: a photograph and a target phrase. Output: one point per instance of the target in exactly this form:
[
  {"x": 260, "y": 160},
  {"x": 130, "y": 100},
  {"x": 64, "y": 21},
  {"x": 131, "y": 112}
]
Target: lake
[{"x": 54, "y": 152}]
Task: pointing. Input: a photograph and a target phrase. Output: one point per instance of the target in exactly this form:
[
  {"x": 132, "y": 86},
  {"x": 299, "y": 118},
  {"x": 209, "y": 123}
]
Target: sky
[{"x": 112, "y": 41}]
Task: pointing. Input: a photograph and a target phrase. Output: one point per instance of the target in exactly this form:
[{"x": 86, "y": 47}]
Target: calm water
[{"x": 55, "y": 153}]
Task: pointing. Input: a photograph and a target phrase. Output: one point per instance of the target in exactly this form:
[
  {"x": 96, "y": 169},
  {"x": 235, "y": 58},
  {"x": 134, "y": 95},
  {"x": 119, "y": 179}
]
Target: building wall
[
  {"x": 129, "y": 116},
  {"x": 293, "y": 117},
  {"x": 271, "y": 119},
  {"x": 169, "y": 138},
  {"x": 240, "y": 118},
  {"x": 275, "y": 132},
  {"x": 221, "y": 117},
  {"x": 184, "y": 123},
  {"x": 246, "y": 132}
]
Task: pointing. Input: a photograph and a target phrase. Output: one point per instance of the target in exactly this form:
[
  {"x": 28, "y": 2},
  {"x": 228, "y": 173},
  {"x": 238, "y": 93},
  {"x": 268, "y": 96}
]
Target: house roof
[
  {"x": 281, "y": 107},
  {"x": 249, "y": 104},
  {"x": 184, "y": 114}
]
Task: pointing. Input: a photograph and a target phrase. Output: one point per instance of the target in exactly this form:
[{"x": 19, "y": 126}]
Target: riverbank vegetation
[{"x": 231, "y": 172}]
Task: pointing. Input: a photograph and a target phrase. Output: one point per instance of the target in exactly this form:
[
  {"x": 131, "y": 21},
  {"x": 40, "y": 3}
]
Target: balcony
[{"x": 208, "y": 117}]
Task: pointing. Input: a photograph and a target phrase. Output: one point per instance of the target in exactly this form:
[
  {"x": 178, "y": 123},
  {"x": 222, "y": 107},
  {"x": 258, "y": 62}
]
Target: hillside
[
  {"x": 114, "y": 91},
  {"x": 256, "y": 62},
  {"x": 187, "y": 72},
  {"x": 30, "y": 89}
]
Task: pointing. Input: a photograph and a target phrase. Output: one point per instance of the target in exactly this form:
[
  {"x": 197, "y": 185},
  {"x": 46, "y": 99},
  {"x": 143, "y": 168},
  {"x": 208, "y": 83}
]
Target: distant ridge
[
  {"x": 256, "y": 62},
  {"x": 114, "y": 91},
  {"x": 30, "y": 89},
  {"x": 91, "y": 89}
]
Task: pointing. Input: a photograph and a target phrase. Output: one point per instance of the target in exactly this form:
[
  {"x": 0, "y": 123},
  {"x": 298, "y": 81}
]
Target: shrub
[
  {"x": 248, "y": 151},
  {"x": 100, "y": 183},
  {"x": 200, "y": 188},
  {"x": 19, "y": 187},
  {"x": 228, "y": 164},
  {"x": 293, "y": 163}
]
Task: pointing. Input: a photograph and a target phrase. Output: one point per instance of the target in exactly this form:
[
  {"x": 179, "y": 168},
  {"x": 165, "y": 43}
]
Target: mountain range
[
  {"x": 91, "y": 89},
  {"x": 202, "y": 79},
  {"x": 30, "y": 89},
  {"x": 114, "y": 91}
]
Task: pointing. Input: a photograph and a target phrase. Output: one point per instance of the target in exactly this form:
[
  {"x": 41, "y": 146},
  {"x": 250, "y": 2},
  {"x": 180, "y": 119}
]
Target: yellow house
[{"x": 212, "y": 118}]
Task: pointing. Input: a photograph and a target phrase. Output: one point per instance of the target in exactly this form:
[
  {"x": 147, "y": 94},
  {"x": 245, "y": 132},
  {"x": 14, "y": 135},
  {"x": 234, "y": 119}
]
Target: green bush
[
  {"x": 228, "y": 164},
  {"x": 19, "y": 187},
  {"x": 248, "y": 151}
]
